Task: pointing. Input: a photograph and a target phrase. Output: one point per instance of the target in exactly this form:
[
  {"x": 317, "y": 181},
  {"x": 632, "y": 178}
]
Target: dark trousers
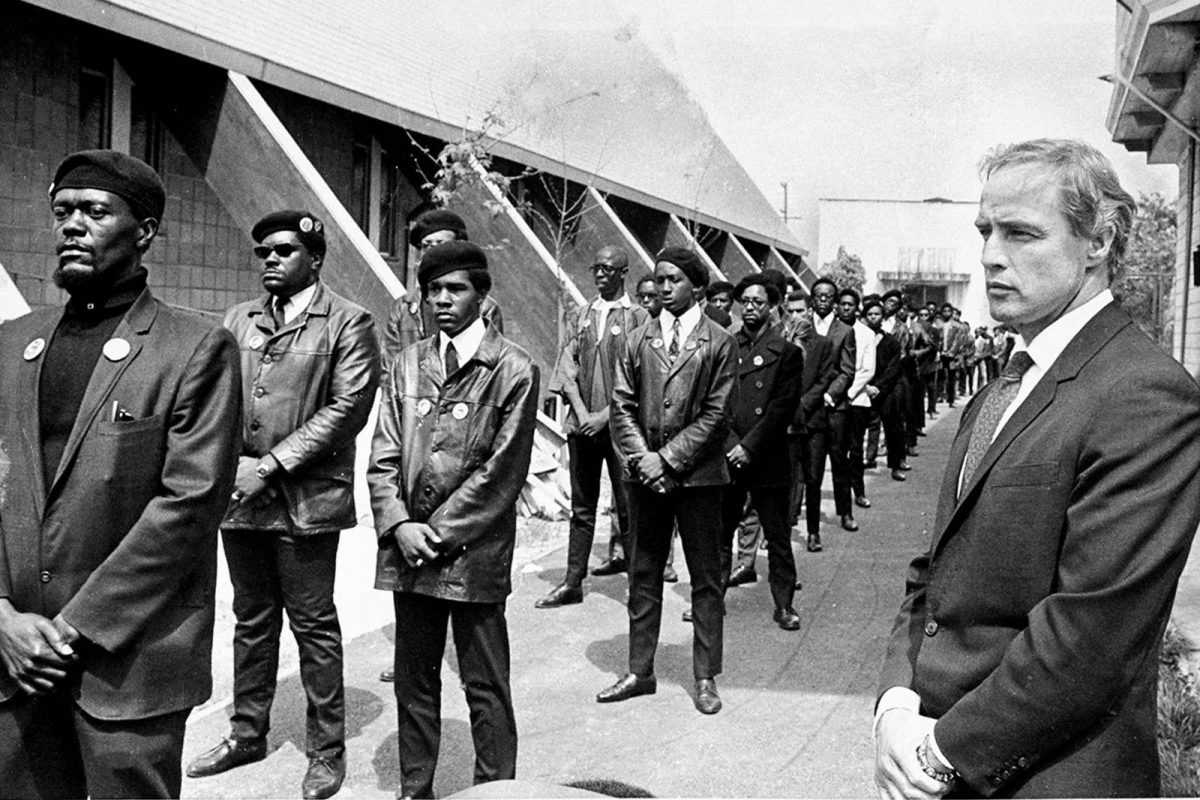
[
  {"x": 874, "y": 426},
  {"x": 771, "y": 504},
  {"x": 916, "y": 410},
  {"x": 50, "y": 748},
  {"x": 841, "y": 425},
  {"x": 891, "y": 417},
  {"x": 930, "y": 381},
  {"x": 808, "y": 459},
  {"x": 271, "y": 573},
  {"x": 481, "y": 642},
  {"x": 856, "y": 430},
  {"x": 949, "y": 373},
  {"x": 588, "y": 454},
  {"x": 698, "y": 513}
]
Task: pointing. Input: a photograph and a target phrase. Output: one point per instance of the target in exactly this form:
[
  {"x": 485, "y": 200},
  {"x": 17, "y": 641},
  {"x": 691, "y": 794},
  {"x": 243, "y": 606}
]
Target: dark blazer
[
  {"x": 766, "y": 393},
  {"x": 123, "y": 542},
  {"x": 819, "y": 371},
  {"x": 841, "y": 336},
  {"x": 887, "y": 369},
  {"x": 680, "y": 410},
  {"x": 1031, "y": 627},
  {"x": 454, "y": 454}
]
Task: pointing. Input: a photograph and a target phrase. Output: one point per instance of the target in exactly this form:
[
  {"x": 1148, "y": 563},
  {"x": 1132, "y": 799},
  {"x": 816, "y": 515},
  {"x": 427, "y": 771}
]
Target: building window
[
  {"x": 390, "y": 220},
  {"x": 145, "y": 131},
  {"x": 360, "y": 181},
  {"x": 95, "y": 97}
]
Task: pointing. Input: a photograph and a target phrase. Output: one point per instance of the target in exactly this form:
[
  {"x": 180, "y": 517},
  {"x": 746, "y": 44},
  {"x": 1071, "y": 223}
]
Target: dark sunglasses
[
  {"x": 606, "y": 269},
  {"x": 282, "y": 250}
]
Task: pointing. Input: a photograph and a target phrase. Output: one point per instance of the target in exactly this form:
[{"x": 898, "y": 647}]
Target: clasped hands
[
  {"x": 35, "y": 651},
  {"x": 898, "y": 774},
  {"x": 651, "y": 470},
  {"x": 248, "y": 487},
  {"x": 419, "y": 544}
]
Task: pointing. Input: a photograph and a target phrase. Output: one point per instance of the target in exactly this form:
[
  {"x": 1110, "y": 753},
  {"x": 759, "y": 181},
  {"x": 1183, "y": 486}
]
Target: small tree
[
  {"x": 1144, "y": 285},
  {"x": 846, "y": 270}
]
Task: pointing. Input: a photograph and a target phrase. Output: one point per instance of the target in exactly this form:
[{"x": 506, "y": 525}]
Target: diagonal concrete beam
[
  {"x": 679, "y": 236},
  {"x": 777, "y": 261}
]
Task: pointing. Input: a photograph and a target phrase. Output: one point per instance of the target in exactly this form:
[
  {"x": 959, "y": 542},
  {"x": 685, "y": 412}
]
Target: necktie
[
  {"x": 277, "y": 311},
  {"x": 998, "y": 399},
  {"x": 673, "y": 349},
  {"x": 451, "y": 359}
]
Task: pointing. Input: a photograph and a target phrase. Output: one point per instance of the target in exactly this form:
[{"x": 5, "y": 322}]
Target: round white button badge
[
  {"x": 424, "y": 406},
  {"x": 116, "y": 349},
  {"x": 459, "y": 411},
  {"x": 34, "y": 349}
]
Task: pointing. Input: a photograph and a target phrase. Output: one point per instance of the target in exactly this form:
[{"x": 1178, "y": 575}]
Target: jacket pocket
[{"x": 1041, "y": 474}]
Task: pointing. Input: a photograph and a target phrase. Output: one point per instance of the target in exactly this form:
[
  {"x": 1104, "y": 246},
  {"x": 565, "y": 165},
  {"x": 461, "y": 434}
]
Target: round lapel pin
[
  {"x": 656, "y": 342},
  {"x": 615, "y": 330},
  {"x": 758, "y": 361},
  {"x": 34, "y": 348},
  {"x": 459, "y": 411},
  {"x": 255, "y": 342},
  {"x": 424, "y": 406},
  {"x": 116, "y": 349}
]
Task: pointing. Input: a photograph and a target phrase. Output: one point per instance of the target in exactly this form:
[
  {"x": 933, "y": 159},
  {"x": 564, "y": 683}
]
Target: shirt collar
[
  {"x": 623, "y": 301},
  {"x": 466, "y": 343},
  {"x": 687, "y": 321},
  {"x": 296, "y": 304},
  {"x": 1048, "y": 345}
]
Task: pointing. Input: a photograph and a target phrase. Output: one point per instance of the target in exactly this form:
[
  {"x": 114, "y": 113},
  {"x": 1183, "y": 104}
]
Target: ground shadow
[{"x": 455, "y": 766}]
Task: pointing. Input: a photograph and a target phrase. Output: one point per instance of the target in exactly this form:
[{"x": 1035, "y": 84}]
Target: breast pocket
[{"x": 1040, "y": 474}]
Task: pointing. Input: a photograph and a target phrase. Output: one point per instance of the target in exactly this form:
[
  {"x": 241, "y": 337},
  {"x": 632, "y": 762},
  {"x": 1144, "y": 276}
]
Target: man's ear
[
  {"x": 147, "y": 230},
  {"x": 1100, "y": 245}
]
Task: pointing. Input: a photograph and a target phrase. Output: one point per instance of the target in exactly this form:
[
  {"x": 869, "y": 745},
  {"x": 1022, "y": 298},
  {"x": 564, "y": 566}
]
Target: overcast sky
[{"x": 892, "y": 99}]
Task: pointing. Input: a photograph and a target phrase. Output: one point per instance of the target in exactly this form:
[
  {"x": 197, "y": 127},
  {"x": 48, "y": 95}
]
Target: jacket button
[
  {"x": 1022, "y": 762},
  {"x": 428, "y": 490},
  {"x": 259, "y": 391},
  {"x": 255, "y": 425},
  {"x": 666, "y": 403},
  {"x": 758, "y": 411},
  {"x": 266, "y": 359},
  {"x": 758, "y": 384},
  {"x": 45, "y": 576},
  {"x": 931, "y": 628}
]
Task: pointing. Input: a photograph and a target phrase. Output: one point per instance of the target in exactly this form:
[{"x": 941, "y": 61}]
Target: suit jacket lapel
[
  {"x": 431, "y": 364},
  {"x": 654, "y": 334},
  {"x": 690, "y": 346},
  {"x": 31, "y": 424}
]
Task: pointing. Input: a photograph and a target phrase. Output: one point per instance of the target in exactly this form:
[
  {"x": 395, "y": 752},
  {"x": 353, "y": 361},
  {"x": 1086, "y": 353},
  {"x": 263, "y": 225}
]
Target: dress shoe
[
  {"x": 848, "y": 522},
  {"x": 904, "y": 466},
  {"x": 922, "y": 433},
  {"x": 862, "y": 502},
  {"x": 707, "y": 700},
  {"x": 814, "y": 543},
  {"x": 912, "y": 452},
  {"x": 324, "y": 777},
  {"x": 686, "y": 616},
  {"x": 742, "y": 573},
  {"x": 787, "y": 618},
  {"x": 610, "y": 566},
  {"x": 561, "y": 595},
  {"x": 228, "y": 754},
  {"x": 388, "y": 675},
  {"x": 670, "y": 575},
  {"x": 629, "y": 686},
  {"x": 898, "y": 475},
  {"x": 933, "y": 415},
  {"x": 870, "y": 464}
]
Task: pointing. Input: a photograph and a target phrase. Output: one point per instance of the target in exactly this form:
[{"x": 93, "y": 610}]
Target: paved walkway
[{"x": 797, "y": 708}]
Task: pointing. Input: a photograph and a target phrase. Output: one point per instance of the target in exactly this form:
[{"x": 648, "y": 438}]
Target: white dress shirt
[
  {"x": 688, "y": 320},
  {"x": 298, "y": 303},
  {"x": 822, "y": 324},
  {"x": 466, "y": 343},
  {"x": 604, "y": 306}
]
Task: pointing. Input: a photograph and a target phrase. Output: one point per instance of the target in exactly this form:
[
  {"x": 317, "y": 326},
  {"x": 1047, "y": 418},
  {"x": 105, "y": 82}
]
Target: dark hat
[
  {"x": 112, "y": 171},
  {"x": 437, "y": 220},
  {"x": 308, "y": 229},
  {"x": 448, "y": 257},
  {"x": 688, "y": 263}
]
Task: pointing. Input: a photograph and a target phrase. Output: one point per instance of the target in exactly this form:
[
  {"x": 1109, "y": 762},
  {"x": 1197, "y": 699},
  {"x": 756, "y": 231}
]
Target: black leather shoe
[
  {"x": 228, "y": 754},
  {"x": 388, "y": 675},
  {"x": 324, "y": 777},
  {"x": 912, "y": 451},
  {"x": 870, "y": 463},
  {"x": 561, "y": 595},
  {"x": 904, "y": 466},
  {"x": 787, "y": 618},
  {"x": 848, "y": 522},
  {"x": 898, "y": 475},
  {"x": 922, "y": 433},
  {"x": 742, "y": 573},
  {"x": 629, "y": 686},
  {"x": 814, "y": 543},
  {"x": 862, "y": 502},
  {"x": 670, "y": 575},
  {"x": 707, "y": 700},
  {"x": 686, "y": 616},
  {"x": 610, "y": 566}
]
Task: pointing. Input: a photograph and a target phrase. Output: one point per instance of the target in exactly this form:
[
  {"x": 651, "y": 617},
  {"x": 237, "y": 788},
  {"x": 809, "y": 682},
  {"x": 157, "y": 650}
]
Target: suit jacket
[
  {"x": 308, "y": 389},
  {"x": 123, "y": 540},
  {"x": 454, "y": 454},
  {"x": 819, "y": 371},
  {"x": 766, "y": 393},
  {"x": 680, "y": 410},
  {"x": 1031, "y": 627},
  {"x": 887, "y": 369},
  {"x": 841, "y": 336}
]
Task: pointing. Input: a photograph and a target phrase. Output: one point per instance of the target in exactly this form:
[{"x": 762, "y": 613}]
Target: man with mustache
[
  {"x": 310, "y": 366},
  {"x": 118, "y": 441}
]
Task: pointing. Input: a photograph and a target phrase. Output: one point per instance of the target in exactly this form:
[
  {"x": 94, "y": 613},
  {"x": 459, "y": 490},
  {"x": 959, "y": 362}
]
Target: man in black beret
[
  {"x": 118, "y": 435},
  {"x": 310, "y": 367},
  {"x": 411, "y": 320},
  {"x": 669, "y": 418},
  {"x": 448, "y": 462}
]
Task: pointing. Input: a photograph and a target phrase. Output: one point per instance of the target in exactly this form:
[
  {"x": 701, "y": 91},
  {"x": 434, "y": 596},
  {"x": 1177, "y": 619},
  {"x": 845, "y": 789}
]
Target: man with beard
[
  {"x": 841, "y": 337},
  {"x": 119, "y": 420}
]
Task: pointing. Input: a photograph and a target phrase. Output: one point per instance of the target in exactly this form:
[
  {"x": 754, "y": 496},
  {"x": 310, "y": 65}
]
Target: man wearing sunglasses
[
  {"x": 584, "y": 378},
  {"x": 310, "y": 367}
]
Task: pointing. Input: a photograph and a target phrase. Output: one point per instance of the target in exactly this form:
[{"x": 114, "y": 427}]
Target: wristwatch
[
  {"x": 264, "y": 469},
  {"x": 928, "y": 768}
]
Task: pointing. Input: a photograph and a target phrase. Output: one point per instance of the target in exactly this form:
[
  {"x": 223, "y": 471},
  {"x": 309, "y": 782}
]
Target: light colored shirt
[
  {"x": 466, "y": 343},
  {"x": 298, "y": 303},
  {"x": 688, "y": 320},
  {"x": 822, "y": 324},
  {"x": 864, "y": 364},
  {"x": 603, "y": 306}
]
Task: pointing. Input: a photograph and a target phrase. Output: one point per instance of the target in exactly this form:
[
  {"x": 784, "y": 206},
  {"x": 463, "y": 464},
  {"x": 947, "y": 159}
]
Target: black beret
[
  {"x": 308, "y": 229},
  {"x": 448, "y": 257},
  {"x": 112, "y": 171},
  {"x": 437, "y": 220},
  {"x": 688, "y": 263}
]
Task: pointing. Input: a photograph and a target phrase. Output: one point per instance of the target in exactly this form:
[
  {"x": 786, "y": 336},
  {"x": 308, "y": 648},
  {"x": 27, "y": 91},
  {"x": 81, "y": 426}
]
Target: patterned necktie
[
  {"x": 998, "y": 399},
  {"x": 673, "y": 349},
  {"x": 451, "y": 359}
]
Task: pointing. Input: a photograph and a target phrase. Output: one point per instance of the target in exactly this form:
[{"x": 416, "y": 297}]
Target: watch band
[{"x": 928, "y": 768}]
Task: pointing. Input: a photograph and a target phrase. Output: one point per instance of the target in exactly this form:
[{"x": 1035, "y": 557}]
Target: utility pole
[{"x": 784, "y": 213}]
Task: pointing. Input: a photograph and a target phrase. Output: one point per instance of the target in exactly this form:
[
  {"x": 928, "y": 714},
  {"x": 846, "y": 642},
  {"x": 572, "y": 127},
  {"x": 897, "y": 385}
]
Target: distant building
[
  {"x": 1155, "y": 88},
  {"x": 927, "y": 248}
]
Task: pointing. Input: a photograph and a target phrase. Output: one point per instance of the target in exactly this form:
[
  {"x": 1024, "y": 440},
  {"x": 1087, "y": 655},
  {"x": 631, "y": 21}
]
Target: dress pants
[
  {"x": 588, "y": 454},
  {"x": 481, "y": 642},
  {"x": 771, "y": 504},
  {"x": 271, "y": 573},
  {"x": 874, "y": 426},
  {"x": 949, "y": 373},
  {"x": 697, "y": 510},
  {"x": 808, "y": 469},
  {"x": 856, "y": 431},
  {"x": 891, "y": 418},
  {"x": 916, "y": 409},
  {"x": 49, "y": 748},
  {"x": 931, "y": 381},
  {"x": 841, "y": 424}
]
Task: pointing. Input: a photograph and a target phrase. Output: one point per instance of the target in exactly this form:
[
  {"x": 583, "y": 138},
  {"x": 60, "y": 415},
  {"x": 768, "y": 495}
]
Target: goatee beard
[{"x": 73, "y": 277}]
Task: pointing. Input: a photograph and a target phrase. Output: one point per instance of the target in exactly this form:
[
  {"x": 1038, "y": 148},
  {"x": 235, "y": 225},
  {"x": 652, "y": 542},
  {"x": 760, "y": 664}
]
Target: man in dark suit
[
  {"x": 1024, "y": 659},
  {"x": 119, "y": 420},
  {"x": 884, "y": 387},
  {"x": 841, "y": 337},
  {"x": 669, "y": 418},
  {"x": 766, "y": 392}
]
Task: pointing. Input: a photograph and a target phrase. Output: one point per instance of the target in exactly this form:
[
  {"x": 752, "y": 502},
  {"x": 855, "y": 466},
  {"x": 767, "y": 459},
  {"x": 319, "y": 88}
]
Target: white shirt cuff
[{"x": 897, "y": 697}]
